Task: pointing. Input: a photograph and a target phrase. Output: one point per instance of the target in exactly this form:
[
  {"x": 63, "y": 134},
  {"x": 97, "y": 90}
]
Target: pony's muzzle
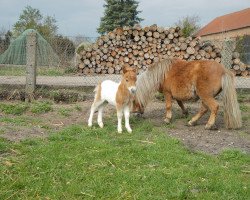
[{"x": 132, "y": 90}]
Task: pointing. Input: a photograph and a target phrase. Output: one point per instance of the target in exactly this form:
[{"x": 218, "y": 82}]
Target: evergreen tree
[{"x": 119, "y": 13}]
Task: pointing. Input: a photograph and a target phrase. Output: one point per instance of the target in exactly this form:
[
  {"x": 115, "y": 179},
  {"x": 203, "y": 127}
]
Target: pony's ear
[{"x": 135, "y": 69}]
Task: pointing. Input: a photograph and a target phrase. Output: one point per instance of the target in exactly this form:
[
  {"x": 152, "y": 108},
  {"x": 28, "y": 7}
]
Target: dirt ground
[{"x": 195, "y": 138}]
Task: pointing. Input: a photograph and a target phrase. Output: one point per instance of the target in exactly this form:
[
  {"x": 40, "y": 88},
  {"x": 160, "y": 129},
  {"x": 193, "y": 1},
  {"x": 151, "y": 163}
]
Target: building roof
[{"x": 232, "y": 21}]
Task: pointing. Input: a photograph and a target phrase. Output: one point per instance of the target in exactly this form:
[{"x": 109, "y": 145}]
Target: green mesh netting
[{"x": 16, "y": 53}]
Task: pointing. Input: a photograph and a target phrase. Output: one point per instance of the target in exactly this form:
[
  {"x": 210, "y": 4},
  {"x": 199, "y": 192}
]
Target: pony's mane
[{"x": 148, "y": 82}]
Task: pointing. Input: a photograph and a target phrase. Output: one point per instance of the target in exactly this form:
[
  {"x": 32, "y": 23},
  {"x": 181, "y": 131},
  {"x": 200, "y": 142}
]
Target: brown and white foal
[{"x": 120, "y": 95}]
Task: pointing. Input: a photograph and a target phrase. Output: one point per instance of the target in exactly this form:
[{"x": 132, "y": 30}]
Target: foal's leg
[
  {"x": 202, "y": 111},
  {"x": 119, "y": 118},
  {"x": 184, "y": 110},
  {"x": 126, "y": 114},
  {"x": 168, "y": 98},
  {"x": 94, "y": 107},
  {"x": 213, "y": 107},
  {"x": 99, "y": 118}
]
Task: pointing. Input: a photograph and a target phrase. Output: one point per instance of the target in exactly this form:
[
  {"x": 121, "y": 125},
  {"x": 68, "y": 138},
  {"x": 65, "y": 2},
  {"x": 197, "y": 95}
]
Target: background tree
[
  {"x": 119, "y": 13},
  {"x": 64, "y": 48},
  {"x": 78, "y": 39},
  {"x": 49, "y": 27},
  {"x": 243, "y": 48},
  {"x": 5, "y": 37},
  {"x": 31, "y": 18},
  {"x": 189, "y": 25}
]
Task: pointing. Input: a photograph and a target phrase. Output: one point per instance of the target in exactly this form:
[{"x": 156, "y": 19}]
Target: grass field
[
  {"x": 41, "y": 71},
  {"x": 78, "y": 162}
]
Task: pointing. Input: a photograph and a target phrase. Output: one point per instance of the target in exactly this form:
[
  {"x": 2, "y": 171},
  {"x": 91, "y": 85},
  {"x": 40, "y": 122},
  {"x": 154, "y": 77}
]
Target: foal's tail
[
  {"x": 97, "y": 91},
  {"x": 232, "y": 114}
]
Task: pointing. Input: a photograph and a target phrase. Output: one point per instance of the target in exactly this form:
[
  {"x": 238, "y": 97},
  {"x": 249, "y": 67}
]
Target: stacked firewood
[
  {"x": 238, "y": 67},
  {"x": 140, "y": 47}
]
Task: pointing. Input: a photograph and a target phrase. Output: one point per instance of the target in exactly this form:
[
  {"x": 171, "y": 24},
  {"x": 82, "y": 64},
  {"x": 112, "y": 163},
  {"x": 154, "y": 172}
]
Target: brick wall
[{"x": 228, "y": 34}]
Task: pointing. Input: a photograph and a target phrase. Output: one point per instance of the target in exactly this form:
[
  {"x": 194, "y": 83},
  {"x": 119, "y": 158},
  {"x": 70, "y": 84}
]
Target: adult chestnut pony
[
  {"x": 184, "y": 80},
  {"x": 120, "y": 95}
]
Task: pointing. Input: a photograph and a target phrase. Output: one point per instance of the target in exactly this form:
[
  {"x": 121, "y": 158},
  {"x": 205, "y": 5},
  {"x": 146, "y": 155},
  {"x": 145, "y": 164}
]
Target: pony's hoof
[
  {"x": 100, "y": 124},
  {"x": 185, "y": 113},
  {"x": 167, "y": 120},
  {"x": 138, "y": 115},
  {"x": 211, "y": 127},
  {"x": 89, "y": 124}
]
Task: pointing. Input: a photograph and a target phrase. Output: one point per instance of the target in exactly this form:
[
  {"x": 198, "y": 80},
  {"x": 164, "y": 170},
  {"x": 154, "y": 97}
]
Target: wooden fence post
[{"x": 31, "y": 42}]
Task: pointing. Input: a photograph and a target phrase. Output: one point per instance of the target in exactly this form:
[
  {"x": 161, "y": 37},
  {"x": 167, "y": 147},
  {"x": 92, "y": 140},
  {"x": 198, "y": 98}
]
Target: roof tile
[{"x": 227, "y": 22}]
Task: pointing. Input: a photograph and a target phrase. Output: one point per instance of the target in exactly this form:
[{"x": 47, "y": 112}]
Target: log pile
[
  {"x": 238, "y": 67},
  {"x": 140, "y": 47}
]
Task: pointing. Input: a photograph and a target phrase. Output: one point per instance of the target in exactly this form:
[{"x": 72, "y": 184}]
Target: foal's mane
[{"x": 148, "y": 82}]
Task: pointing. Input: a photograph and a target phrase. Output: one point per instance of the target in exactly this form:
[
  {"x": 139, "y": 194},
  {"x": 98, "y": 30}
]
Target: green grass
[
  {"x": 39, "y": 107},
  {"x": 15, "y": 109},
  {"x": 246, "y": 118},
  {"x": 243, "y": 96},
  {"x": 11, "y": 123},
  {"x": 92, "y": 163},
  {"x": 20, "y": 120},
  {"x": 12, "y": 71},
  {"x": 36, "y": 107},
  {"x": 78, "y": 108},
  {"x": 16, "y": 115},
  {"x": 65, "y": 111},
  {"x": 244, "y": 108},
  {"x": 2, "y": 131},
  {"x": 170, "y": 126},
  {"x": 41, "y": 71}
]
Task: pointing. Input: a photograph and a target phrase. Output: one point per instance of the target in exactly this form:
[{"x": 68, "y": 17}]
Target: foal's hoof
[
  {"x": 100, "y": 124},
  {"x": 167, "y": 120},
  {"x": 190, "y": 123},
  {"x": 89, "y": 124},
  {"x": 119, "y": 130},
  {"x": 211, "y": 127},
  {"x": 129, "y": 130}
]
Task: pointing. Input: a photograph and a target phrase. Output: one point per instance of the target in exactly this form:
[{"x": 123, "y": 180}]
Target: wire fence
[{"x": 56, "y": 63}]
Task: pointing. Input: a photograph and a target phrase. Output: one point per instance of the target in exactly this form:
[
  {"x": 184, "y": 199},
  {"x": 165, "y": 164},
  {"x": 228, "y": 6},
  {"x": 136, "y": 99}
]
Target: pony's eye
[{"x": 126, "y": 80}]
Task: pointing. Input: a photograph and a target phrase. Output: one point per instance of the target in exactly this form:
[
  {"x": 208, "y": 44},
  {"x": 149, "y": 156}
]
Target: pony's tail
[{"x": 232, "y": 114}]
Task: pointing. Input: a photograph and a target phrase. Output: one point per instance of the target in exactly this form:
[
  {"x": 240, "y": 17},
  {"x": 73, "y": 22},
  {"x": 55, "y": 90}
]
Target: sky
[{"x": 82, "y": 17}]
